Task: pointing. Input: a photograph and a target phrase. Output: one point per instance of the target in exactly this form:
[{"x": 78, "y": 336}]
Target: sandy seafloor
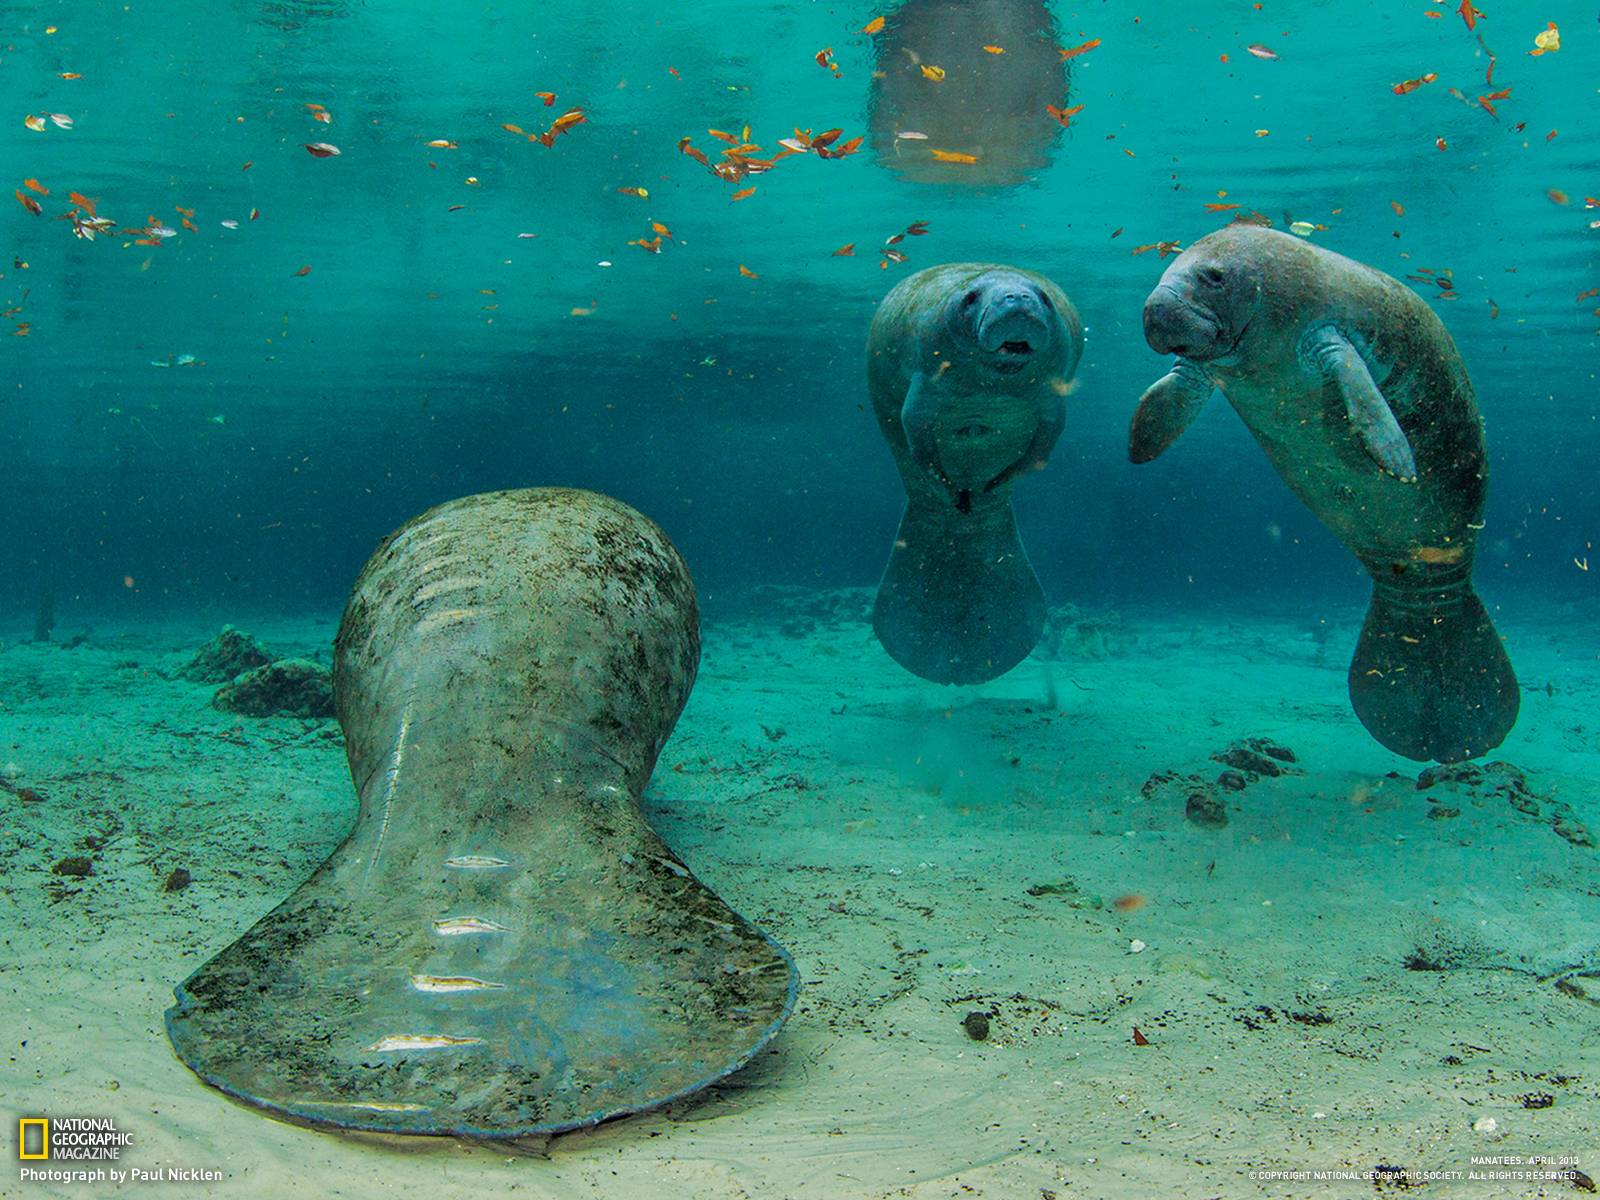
[{"x": 888, "y": 831}]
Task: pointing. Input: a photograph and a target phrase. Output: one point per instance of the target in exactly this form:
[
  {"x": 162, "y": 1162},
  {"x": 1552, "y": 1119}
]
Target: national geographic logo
[{"x": 78, "y": 1139}]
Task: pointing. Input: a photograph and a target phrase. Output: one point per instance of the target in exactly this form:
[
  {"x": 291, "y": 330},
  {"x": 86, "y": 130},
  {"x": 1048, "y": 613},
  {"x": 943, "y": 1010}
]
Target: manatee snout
[
  {"x": 1014, "y": 322},
  {"x": 1174, "y": 324}
]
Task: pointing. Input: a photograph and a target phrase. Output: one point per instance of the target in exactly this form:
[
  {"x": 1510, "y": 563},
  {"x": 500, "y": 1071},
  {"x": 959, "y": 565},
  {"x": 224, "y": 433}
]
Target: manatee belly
[{"x": 980, "y": 436}]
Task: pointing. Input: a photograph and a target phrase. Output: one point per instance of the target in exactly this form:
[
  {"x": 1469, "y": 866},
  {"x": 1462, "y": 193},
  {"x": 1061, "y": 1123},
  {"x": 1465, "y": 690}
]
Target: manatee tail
[
  {"x": 1430, "y": 678},
  {"x": 959, "y": 602}
]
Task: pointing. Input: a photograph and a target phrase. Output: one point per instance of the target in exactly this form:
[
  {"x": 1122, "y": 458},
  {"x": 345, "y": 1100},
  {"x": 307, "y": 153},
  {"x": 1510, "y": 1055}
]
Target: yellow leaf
[{"x": 952, "y": 156}]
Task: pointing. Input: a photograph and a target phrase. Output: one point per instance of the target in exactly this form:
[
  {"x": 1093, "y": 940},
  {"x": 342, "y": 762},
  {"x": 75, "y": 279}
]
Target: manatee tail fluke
[
  {"x": 1431, "y": 680},
  {"x": 959, "y": 602}
]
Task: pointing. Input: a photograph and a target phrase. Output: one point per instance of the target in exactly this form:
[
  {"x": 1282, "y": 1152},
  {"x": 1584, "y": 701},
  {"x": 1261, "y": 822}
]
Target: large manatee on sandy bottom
[
  {"x": 502, "y": 946},
  {"x": 969, "y": 101},
  {"x": 1354, "y": 388}
]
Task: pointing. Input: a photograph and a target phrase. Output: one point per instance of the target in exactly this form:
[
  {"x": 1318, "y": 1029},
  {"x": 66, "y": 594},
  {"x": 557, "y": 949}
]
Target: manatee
[
  {"x": 968, "y": 367},
  {"x": 1355, "y": 390},
  {"x": 990, "y": 106},
  {"x": 502, "y": 946}
]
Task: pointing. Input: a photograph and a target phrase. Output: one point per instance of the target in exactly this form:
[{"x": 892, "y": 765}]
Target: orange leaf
[
  {"x": 723, "y": 137},
  {"x": 848, "y": 250},
  {"x": 33, "y": 185},
  {"x": 28, "y": 202},
  {"x": 747, "y": 272},
  {"x": 1469, "y": 14},
  {"x": 952, "y": 156},
  {"x": 995, "y": 49},
  {"x": 516, "y": 129},
  {"x": 1083, "y": 49},
  {"x": 1063, "y": 115},
  {"x": 873, "y": 26},
  {"x": 1411, "y": 85},
  {"x": 1220, "y": 207},
  {"x": 301, "y": 271},
  {"x": 743, "y": 194},
  {"x": 549, "y": 98},
  {"x": 934, "y": 73}
]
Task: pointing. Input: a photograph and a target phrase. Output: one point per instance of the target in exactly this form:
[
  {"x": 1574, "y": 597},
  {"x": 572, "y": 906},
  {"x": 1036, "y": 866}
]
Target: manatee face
[
  {"x": 1207, "y": 300},
  {"x": 1002, "y": 323}
]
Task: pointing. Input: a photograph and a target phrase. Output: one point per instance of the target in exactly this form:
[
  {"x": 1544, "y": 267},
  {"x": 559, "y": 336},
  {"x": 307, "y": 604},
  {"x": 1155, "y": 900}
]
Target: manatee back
[{"x": 548, "y": 602}]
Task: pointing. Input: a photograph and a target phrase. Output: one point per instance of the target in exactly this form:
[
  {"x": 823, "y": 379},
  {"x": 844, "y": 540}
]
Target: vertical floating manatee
[
  {"x": 935, "y": 87},
  {"x": 502, "y": 946},
  {"x": 968, "y": 367},
  {"x": 1354, "y": 388}
]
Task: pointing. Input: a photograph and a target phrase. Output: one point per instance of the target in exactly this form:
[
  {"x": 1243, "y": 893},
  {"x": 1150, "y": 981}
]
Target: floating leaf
[
  {"x": 28, "y": 202},
  {"x": 302, "y": 271},
  {"x": 443, "y": 144},
  {"x": 1261, "y": 51},
  {"x": 848, "y": 250},
  {"x": 635, "y": 191},
  {"x": 1077, "y": 50},
  {"x": 33, "y": 185},
  {"x": 1063, "y": 115},
  {"x": 1411, "y": 85},
  {"x": 75, "y": 75},
  {"x": 994, "y": 49},
  {"x": 321, "y": 149},
  {"x": 516, "y": 129},
  {"x": 952, "y": 156},
  {"x": 743, "y": 194},
  {"x": 61, "y": 120},
  {"x": 549, "y": 98},
  {"x": 747, "y": 272},
  {"x": 1469, "y": 14},
  {"x": 934, "y": 73},
  {"x": 873, "y": 26},
  {"x": 1547, "y": 41},
  {"x": 34, "y": 123}
]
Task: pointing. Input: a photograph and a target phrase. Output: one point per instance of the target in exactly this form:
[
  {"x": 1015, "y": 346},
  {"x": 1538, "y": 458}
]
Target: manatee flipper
[
  {"x": 1167, "y": 408},
  {"x": 919, "y": 415},
  {"x": 1339, "y": 362},
  {"x": 1430, "y": 678},
  {"x": 502, "y": 946},
  {"x": 1045, "y": 436},
  {"x": 959, "y": 601}
]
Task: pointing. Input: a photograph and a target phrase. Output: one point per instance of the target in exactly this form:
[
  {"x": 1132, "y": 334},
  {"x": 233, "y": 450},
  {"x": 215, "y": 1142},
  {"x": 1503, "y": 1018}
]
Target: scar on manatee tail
[{"x": 1430, "y": 678}]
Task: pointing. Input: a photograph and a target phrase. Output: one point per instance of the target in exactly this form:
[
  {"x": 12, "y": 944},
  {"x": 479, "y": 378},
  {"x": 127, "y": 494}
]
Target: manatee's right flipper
[
  {"x": 1331, "y": 354},
  {"x": 1431, "y": 680},
  {"x": 917, "y": 416},
  {"x": 1167, "y": 408},
  {"x": 959, "y": 602}
]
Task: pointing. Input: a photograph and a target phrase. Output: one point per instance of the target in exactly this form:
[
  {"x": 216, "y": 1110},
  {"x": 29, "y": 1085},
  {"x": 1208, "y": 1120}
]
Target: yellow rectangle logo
[{"x": 42, "y": 1124}]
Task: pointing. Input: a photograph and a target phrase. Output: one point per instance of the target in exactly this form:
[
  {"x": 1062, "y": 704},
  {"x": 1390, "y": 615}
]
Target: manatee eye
[
  {"x": 1211, "y": 277},
  {"x": 970, "y": 298},
  {"x": 1045, "y": 300}
]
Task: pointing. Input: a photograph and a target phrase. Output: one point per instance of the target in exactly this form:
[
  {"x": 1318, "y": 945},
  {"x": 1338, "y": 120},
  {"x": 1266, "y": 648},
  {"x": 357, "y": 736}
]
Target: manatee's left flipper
[
  {"x": 1329, "y": 352},
  {"x": 1167, "y": 408},
  {"x": 1045, "y": 435}
]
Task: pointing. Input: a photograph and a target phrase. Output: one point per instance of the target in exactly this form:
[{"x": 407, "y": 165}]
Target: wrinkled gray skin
[
  {"x": 991, "y": 106},
  {"x": 968, "y": 368},
  {"x": 508, "y": 668},
  {"x": 1357, "y": 394}
]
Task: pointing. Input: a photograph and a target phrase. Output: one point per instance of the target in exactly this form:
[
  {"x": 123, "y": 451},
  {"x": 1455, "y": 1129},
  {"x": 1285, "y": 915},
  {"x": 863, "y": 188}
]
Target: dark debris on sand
[
  {"x": 1500, "y": 780},
  {"x": 231, "y": 653},
  {"x": 292, "y": 687}
]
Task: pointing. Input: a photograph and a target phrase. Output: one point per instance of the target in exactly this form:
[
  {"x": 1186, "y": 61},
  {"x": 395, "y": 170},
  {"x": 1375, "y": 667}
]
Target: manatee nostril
[{"x": 1178, "y": 348}]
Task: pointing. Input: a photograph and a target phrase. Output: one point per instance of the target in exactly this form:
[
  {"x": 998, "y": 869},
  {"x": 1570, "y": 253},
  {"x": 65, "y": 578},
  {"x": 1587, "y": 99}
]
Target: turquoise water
[{"x": 430, "y": 353}]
